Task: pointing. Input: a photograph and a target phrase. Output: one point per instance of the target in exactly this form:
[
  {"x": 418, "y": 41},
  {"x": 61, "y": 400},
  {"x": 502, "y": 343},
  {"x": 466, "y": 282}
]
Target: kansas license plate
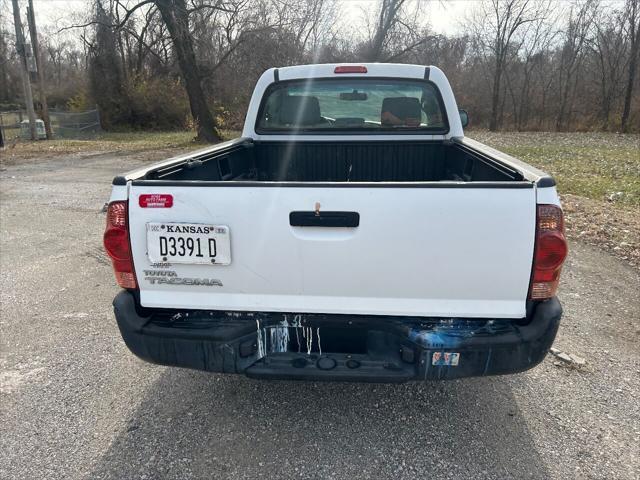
[{"x": 194, "y": 243}]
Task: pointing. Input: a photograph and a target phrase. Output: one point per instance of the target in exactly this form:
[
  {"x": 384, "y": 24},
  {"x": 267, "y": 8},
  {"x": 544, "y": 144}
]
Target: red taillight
[
  {"x": 350, "y": 69},
  {"x": 116, "y": 243},
  {"x": 550, "y": 252}
]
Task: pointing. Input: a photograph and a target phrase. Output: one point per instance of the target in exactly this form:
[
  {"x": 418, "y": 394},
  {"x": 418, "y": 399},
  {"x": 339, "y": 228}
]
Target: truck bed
[{"x": 374, "y": 161}]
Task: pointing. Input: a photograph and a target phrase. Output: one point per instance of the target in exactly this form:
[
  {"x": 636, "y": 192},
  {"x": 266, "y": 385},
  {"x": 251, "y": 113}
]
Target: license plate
[{"x": 195, "y": 243}]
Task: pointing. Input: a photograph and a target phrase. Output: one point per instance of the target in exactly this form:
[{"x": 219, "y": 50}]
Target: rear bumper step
[{"x": 338, "y": 347}]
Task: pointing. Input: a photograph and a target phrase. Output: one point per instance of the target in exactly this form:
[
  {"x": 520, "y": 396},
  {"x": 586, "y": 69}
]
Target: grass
[
  {"x": 599, "y": 166},
  {"x": 131, "y": 142}
]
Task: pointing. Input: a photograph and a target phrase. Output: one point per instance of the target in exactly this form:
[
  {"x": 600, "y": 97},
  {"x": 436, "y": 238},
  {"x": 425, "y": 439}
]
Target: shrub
[{"x": 158, "y": 104}]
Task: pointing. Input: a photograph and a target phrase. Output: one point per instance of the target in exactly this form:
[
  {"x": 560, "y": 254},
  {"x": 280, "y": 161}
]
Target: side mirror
[{"x": 464, "y": 117}]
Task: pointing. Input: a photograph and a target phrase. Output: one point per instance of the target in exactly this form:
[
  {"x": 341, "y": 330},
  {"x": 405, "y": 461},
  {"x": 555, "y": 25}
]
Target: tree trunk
[
  {"x": 565, "y": 90},
  {"x": 514, "y": 103},
  {"x": 389, "y": 12},
  {"x": 495, "y": 97},
  {"x": 39, "y": 66},
  {"x": 523, "y": 107},
  {"x": 105, "y": 74},
  {"x": 176, "y": 18},
  {"x": 24, "y": 73},
  {"x": 123, "y": 58},
  {"x": 633, "y": 63}
]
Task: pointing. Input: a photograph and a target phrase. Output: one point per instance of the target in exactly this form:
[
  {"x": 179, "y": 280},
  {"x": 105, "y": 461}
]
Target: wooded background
[{"x": 174, "y": 64}]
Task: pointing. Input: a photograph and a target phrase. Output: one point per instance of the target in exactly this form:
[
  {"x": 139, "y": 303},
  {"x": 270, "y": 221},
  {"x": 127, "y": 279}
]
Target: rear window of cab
[{"x": 352, "y": 105}]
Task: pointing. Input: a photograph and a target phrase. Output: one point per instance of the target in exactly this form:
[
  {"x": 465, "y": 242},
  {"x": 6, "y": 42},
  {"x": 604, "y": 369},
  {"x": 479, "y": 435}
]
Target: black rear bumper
[{"x": 356, "y": 347}]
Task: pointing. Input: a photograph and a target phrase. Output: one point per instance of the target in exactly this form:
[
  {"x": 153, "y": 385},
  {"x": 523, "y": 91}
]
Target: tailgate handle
[{"x": 324, "y": 219}]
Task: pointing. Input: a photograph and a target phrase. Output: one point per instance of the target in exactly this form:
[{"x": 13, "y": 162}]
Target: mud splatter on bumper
[{"x": 393, "y": 349}]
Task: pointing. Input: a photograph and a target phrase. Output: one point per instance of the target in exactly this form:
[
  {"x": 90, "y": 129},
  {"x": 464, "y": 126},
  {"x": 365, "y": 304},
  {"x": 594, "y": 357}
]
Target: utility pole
[
  {"x": 24, "y": 73},
  {"x": 33, "y": 32}
]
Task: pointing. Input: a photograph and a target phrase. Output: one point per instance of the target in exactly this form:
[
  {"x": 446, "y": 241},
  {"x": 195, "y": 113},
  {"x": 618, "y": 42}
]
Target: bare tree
[
  {"x": 395, "y": 31},
  {"x": 633, "y": 35},
  {"x": 533, "y": 41},
  {"x": 388, "y": 15},
  {"x": 610, "y": 49},
  {"x": 494, "y": 25},
  {"x": 520, "y": 64},
  {"x": 310, "y": 22},
  {"x": 35, "y": 45},
  {"x": 105, "y": 71},
  {"x": 176, "y": 17},
  {"x": 574, "y": 49},
  {"x": 220, "y": 32},
  {"x": 26, "y": 83},
  {"x": 6, "y": 85}
]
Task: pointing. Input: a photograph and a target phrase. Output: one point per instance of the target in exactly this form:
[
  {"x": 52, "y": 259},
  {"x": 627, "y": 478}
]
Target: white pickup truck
[{"x": 351, "y": 233}]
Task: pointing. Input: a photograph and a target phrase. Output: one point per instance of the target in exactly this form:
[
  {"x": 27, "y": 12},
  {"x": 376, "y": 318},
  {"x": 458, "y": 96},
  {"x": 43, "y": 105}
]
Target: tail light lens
[
  {"x": 116, "y": 243},
  {"x": 550, "y": 252}
]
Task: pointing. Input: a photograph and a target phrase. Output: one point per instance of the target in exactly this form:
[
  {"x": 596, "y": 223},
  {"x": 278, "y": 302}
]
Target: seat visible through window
[
  {"x": 299, "y": 110},
  {"x": 404, "y": 111}
]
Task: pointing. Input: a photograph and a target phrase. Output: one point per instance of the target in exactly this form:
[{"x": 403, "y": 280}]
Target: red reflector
[
  {"x": 350, "y": 69},
  {"x": 116, "y": 244},
  {"x": 156, "y": 200},
  {"x": 550, "y": 252}
]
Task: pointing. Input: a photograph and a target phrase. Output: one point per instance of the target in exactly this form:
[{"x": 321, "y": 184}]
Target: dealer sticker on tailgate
[{"x": 194, "y": 243}]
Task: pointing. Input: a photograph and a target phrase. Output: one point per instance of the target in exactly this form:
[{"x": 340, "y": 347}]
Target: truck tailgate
[{"x": 450, "y": 250}]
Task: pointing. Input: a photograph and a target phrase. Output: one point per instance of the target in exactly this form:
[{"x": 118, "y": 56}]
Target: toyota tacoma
[{"x": 352, "y": 232}]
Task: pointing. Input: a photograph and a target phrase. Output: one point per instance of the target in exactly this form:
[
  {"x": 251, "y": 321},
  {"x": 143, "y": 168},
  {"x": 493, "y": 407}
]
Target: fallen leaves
[{"x": 612, "y": 227}]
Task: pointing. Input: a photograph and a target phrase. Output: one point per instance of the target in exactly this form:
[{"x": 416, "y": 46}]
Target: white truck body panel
[
  {"x": 454, "y": 252},
  {"x": 426, "y": 249},
  {"x": 547, "y": 196}
]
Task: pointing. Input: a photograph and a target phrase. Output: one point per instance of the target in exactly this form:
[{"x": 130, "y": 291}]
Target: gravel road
[{"x": 76, "y": 404}]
